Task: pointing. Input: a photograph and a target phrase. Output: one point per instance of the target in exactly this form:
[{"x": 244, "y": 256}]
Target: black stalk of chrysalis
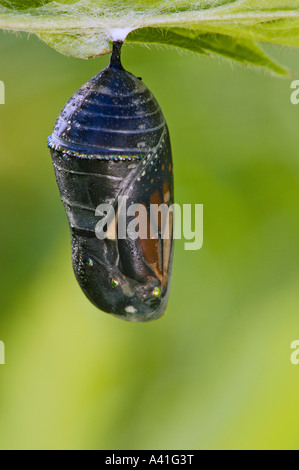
[{"x": 111, "y": 142}]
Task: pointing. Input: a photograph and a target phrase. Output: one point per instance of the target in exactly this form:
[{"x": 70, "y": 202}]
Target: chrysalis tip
[{"x": 115, "y": 61}]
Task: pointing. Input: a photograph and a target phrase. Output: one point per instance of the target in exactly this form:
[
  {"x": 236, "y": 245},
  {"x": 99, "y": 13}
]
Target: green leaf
[
  {"x": 230, "y": 28},
  {"x": 168, "y": 37},
  {"x": 241, "y": 50}
]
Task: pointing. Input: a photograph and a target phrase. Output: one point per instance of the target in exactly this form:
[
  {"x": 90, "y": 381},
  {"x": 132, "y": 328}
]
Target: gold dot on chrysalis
[
  {"x": 114, "y": 283},
  {"x": 157, "y": 292}
]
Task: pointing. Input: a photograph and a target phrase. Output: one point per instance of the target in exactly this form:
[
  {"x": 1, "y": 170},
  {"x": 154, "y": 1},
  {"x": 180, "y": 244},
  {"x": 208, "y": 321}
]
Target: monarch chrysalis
[{"x": 110, "y": 141}]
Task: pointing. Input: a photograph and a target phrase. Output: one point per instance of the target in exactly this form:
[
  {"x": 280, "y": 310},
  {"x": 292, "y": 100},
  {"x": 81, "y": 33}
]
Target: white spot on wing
[{"x": 130, "y": 309}]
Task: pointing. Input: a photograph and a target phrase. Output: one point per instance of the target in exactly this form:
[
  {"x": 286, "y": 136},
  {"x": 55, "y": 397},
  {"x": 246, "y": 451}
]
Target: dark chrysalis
[{"x": 111, "y": 143}]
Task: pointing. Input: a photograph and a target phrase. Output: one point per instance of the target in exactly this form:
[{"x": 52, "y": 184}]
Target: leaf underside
[{"x": 230, "y": 28}]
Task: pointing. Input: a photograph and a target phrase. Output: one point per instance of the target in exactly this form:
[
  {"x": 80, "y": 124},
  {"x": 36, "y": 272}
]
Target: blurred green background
[{"x": 215, "y": 372}]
